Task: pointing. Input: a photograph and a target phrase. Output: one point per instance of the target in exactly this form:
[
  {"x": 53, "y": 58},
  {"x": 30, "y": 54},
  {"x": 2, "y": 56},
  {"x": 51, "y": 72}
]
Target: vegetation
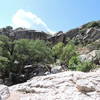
[
  {"x": 92, "y": 24},
  {"x": 84, "y": 66},
  {"x": 15, "y": 54},
  {"x": 68, "y": 52},
  {"x": 57, "y": 50}
]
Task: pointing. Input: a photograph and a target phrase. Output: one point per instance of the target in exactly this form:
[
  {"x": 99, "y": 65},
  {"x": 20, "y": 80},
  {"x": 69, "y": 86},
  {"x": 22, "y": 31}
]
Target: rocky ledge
[{"x": 61, "y": 86}]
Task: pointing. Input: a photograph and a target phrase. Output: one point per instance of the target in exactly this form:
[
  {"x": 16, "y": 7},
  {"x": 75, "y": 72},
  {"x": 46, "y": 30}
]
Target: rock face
[
  {"x": 58, "y": 37},
  {"x": 87, "y": 33},
  {"x": 29, "y": 34},
  {"x": 21, "y": 33},
  {"x": 92, "y": 56},
  {"x": 82, "y": 35},
  {"x": 61, "y": 86}
]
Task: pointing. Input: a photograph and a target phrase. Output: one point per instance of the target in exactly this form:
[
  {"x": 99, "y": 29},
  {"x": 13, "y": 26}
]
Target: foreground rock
[
  {"x": 62, "y": 86},
  {"x": 4, "y": 92}
]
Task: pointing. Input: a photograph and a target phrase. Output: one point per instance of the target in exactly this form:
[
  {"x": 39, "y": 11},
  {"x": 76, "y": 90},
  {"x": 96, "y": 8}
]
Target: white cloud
[{"x": 29, "y": 20}]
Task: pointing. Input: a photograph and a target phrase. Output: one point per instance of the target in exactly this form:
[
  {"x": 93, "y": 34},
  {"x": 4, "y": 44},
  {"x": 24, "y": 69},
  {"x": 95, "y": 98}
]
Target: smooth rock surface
[{"x": 61, "y": 86}]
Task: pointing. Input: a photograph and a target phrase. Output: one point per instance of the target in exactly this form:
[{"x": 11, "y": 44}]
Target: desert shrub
[
  {"x": 57, "y": 50},
  {"x": 4, "y": 69},
  {"x": 84, "y": 66},
  {"x": 3, "y": 62},
  {"x": 73, "y": 62},
  {"x": 40, "y": 51},
  {"x": 68, "y": 52}
]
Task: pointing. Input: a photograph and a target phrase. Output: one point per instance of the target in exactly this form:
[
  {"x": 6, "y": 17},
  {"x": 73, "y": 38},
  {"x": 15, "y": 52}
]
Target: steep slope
[{"x": 87, "y": 33}]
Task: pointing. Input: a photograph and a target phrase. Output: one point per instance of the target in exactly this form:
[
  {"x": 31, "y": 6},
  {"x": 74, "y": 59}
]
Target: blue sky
[{"x": 53, "y": 15}]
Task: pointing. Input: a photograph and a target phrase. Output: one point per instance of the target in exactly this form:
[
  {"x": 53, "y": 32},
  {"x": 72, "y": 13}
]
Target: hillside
[
  {"x": 84, "y": 34},
  {"x": 28, "y": 53},
  {"x": 49, "y": 67}
]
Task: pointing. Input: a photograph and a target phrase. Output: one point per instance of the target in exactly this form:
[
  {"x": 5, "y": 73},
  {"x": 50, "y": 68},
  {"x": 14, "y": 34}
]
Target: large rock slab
[{"x": 61, "y": 86}]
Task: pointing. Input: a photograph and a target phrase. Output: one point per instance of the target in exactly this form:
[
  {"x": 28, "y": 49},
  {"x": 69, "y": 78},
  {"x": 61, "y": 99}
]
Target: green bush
[
  {"x": 3, "y": 62},
  {"x": 40, "y": 51},
  {"x": 73, "y": 62},
  {"x": 84, "y": 66},
  {"x": 68, "y": 52},
  {"x": 57, "y": 50}
]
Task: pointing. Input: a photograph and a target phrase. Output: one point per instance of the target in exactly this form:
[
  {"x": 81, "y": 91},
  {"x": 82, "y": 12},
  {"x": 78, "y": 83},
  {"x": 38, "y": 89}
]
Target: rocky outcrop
[
  {"x": 93, "y": 56},
  {"x": 28, "y": 34},
  {"x": 58, "y": 37},
  {"x": 61, "y": 86},
  {"x": 21, "y": 33},
  {"x": 87, "y": 33}
]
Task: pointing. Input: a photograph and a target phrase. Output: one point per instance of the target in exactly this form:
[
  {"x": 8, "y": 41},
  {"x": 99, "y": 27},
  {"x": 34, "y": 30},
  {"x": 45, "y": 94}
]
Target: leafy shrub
[
  {"x": 3, "y": 62},
  {"x": 84, "y": 66},
  {"x": 57, "y": 50},
  {"x": 40, "y": 52},
  {"x": 68, "y": 52},
  {"x": 73, "y": 62}
]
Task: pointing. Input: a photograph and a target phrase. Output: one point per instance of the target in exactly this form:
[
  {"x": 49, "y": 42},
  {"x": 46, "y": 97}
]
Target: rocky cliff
[
  {"x": 61, "y": 86},
  {"x": 21, "y": 33}
]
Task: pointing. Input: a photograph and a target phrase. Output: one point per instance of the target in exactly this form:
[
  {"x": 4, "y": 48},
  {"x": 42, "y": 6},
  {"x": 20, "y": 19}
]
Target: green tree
[
  {"x": 31, "y": 52},
  {"x": 40, "y": 52},
  {"x": 7, "y": 50},
  {"x": 57, "y": 50}
]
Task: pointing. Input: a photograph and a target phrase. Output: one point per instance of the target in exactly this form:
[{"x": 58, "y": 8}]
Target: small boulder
[
  {"x": 85, "y": 86},
  {"x": 56, "y": 69},
  {"x": 4, "y": 92},
  {"x": 92, "y": 56}
]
